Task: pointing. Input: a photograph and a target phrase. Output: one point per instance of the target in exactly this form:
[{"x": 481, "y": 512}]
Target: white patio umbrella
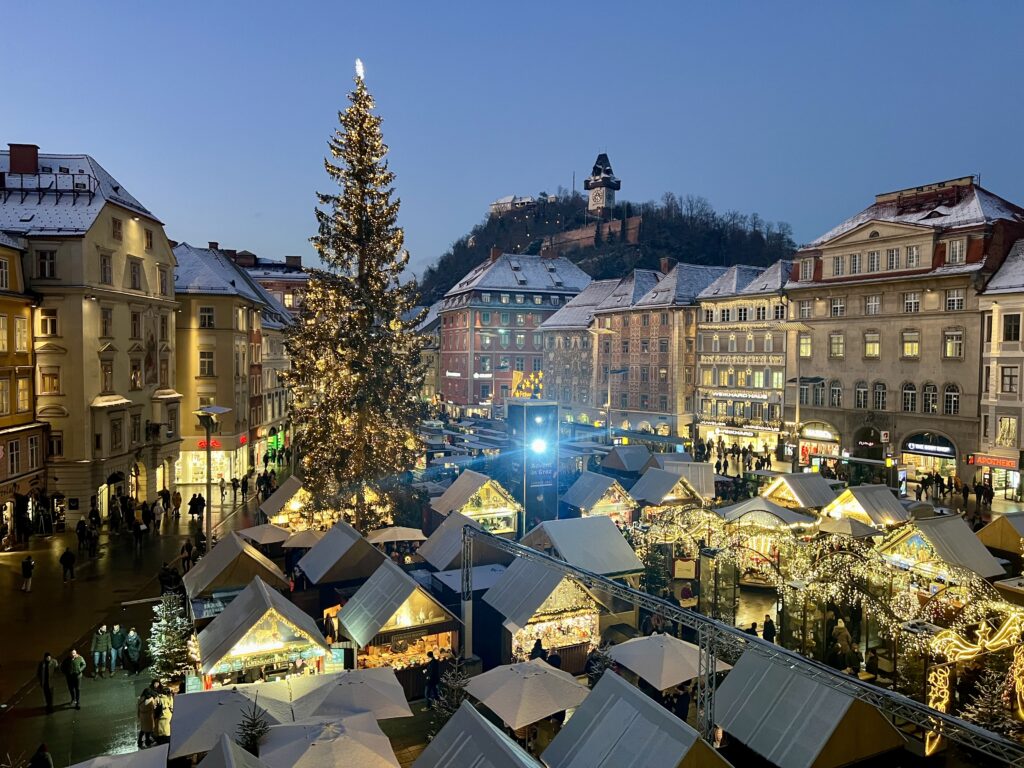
[
  {"x": 661, "y": 660},
  {"x": 354, "y": 740},
  {"x": 303, "y": 539},
  {"x": 268, "y": 533},
  {"x": 395, "y": 533},
  {"x": 847, "y": 526},
  {"x": 360, "y": 690},
  {"x": 200, "y": 717},
  {"x": 144, "y": 758},
  {"x": 227, "y": 754},
  {"x": 524, "y": 693}
]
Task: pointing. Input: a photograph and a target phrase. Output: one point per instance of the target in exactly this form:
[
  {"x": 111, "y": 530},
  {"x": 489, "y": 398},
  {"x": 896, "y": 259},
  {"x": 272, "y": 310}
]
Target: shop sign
[
  {"x": 928, "y": 448},
  {"x": 996, "y": 462},
  {"x": 737, "y": 432},
  {"x": 452, "y": 374},
  {"x": 885, "y": 435},
  {"x": 739, "y": 395},
  {"x": 816, "y": 433},
  {"x": 214, "y": 444}
]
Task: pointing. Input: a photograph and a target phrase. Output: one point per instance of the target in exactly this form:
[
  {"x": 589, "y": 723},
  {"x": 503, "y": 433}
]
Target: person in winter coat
[
  {"x": 162, "y": 713},
  {"x": 145, "y": 710},
  {"x": 73, "y": 668},
  {"x": 132, "y": 651},
  {"x": 117, "y": 638},
  {"x": 46, "y": 673},
  {"x": 41, "y": 758},
  {"x": 100, "y": 650},
  {"x": 67, "y": 564},
  {"x": 28, "y": 565},
  {"x": 158, "y": 515},
  {"x": 176, "y": 504},
  {"x": 842, "y": 636}
]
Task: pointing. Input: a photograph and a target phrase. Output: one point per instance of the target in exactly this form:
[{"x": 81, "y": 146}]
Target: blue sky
[{"x": 215, "y": 114}]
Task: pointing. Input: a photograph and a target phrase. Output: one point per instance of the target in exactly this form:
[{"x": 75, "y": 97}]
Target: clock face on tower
[{"x": 597, "y": 198}]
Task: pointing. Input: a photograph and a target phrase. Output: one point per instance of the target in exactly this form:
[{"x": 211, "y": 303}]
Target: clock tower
[{"x": 602, "y": 185}]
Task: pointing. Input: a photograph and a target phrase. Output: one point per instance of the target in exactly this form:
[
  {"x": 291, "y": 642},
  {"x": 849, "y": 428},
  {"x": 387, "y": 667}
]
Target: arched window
[
  {"x": 835, "y": 396},
  {"x": 929, "y": 399},
  {"x": 819, "y": 394},
  {"x": 878, "y": 396},
  {"x": 951, "y": 400},
  {"x": 860, "y": 394},
  {"x": 909, "y": 398}
]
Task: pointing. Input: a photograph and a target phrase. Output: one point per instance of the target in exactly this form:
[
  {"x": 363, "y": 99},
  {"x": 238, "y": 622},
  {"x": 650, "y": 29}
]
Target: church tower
[{"x": 602, "y": 185}]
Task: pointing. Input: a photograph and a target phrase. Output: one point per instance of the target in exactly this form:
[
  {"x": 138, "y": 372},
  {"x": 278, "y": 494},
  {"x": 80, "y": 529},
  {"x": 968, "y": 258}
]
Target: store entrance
[
  {"x": 927, "y": 453},
  {"x": 867, "y": 444}
]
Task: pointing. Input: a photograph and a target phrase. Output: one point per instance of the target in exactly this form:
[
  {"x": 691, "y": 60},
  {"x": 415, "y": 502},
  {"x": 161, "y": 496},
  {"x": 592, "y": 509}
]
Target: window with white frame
[
  {"x": 860, "y": 395},
  {"x": 879, "y": 396},
  {"x": 709, "y": 315},
  {"x": 135, "y": 274},
  {"x": 804, "y": 345},
  {"x": 909, "y": 398},
  {"x": 913, "y": 256},
  {"x": 854, "y": 263},
  {"x": 835, "y": 395},
  {"x": 55, "y": 445},
  {"x": 836, "y": 345},
  {"x": 761, "y": 313},
  {"x": 838, "y": 265},
  {"x": 47, "y": 322},
  {"x": 1006, "y": 434},
  {"x": 5, "y": 274},
  {"x": 24, "y": 394},
  {"x": 769, "y": 342},
  {"x": 106, "y": 269},
  {"x": 837, "y": 307},
  {"x": 955, "y": 298},
  {"x": 872, "y": 344},
  {"x": 953, "y": 343},
  {"x": 892, "y": 258},
  {"x": 742, "y": 314},
  {"x": 951, "y": 400},
  {"x": 806, "y": 309},
  {"x": 33, "y": 452},
  {"x": 5, "y": 396},
  {"x": 910, "y": 344},
  {"x": 912, "y": 301},
  {"x": 873, "y": 304},
  {"x": 780, "y": 312},
  {"x": 206, "y": 317},
  {"x": 206, "y": 363},
  {"x": 13, "y": 458},
  {"x": 725, "y": 315},
  {"x": 806, "y": 269},
  {"x": 930, "y": 399},
  {"x": 955, "y": 252},
  {"x": 874, "y": 261},
  {"x": 21, "y": 334},
  {"x": 46, "y": 264}
]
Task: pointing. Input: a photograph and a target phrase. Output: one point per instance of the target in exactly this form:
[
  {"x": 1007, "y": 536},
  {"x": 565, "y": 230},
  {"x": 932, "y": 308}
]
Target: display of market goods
[{"x": 557, "y": 633}]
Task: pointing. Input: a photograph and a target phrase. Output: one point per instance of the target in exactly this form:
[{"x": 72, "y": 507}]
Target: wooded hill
[{"x": 685, "y": 229}]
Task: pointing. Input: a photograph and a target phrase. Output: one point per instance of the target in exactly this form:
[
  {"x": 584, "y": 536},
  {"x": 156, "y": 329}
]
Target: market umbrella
[
  {"x": 661, "y": 660},
  {"x": 227, "y": 754},
  {"x": 395, "y": 533},
  {"x": 846, "y": 526},
  {"x": 144, "y": 758},
  {"x": 268, "y": 533},
  {"x": 354, "y": 740},
  {"x": 360, "y": 690},
  {"x": 303, "y": 539},
  {"x": 524, "y": 693},
  {"x": 200, "y": 717}
]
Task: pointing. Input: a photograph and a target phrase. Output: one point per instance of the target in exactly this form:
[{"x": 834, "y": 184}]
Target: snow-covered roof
[
  {"x": 681, "y": 286},
  {"x": 761, "y": 506},
  {"x": 443, "y": 548},
  {"x": 84, "y": 189},
  {"x": 231, "y": 563},
  {"x": 698, "y": 475},
  {"x": 470, "y": 740},
  {"x": 578, "y": 313},
  {"x": 772, "y": 280},
  {"x": 630, "y": 290},
  {"x": 973, "y": 205},
  {"x": 626, "y": 458},
  {"x": 589, "y": 488},
  {"x": 284, "y": 493},
  {"x": 655, "y": 485},
  {"x": 430, "y": 319},
  {"x": 275, "y": 269},
  {"x": 243, "y": 613},
  {"x": 790, "y": 719},
  {"x": 461, "y": 491},
  {"x": 521, "y": 591},
  {"x": 1009, "y": 278},
  {"x": 732, "y": 282},
  {"x": 619, "y": 726},
  {"x": 341, "y": 555},
  {"x": 210, "y": 271},
  {"x": 521, "y": 272},
  {"x": 594, "y": 544},
  {"x": 954, "y": 543},
  {"x": 9, "y": 242}
]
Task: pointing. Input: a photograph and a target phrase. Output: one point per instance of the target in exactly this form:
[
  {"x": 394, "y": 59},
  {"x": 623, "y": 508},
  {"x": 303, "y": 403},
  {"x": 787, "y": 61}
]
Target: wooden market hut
[
  {"x": 873, "y": 505},
  {"x": 443, "y": 548},
  {"x": 593, "y": 494},
  {"x": 620, "y": 725},
  {"x": 928, "y": 546},
  {"x": 659, "y": 488},
  {"x": 626, "y": 460},
  {"x": 1005, "y": 535},
  {"x": 260, "y": 630},
  {"x": 594, "y": 544},
  {"x": 533, "y": 601},
  {"x": 796, "y": 722},
  {"x": 395, "y": 622},
  {"x": 218, "y": 577},
  {"x": 800, "y": 490},
  {"x": 342, "y": 556},
  {"x": 481, "y": 499},
  {"x": 276, "y": 507},
  {"x": 470, "y": 739}
]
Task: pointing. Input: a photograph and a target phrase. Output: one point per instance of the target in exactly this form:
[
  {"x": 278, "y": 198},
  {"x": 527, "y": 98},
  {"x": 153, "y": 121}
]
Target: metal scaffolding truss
[{"x": 713, "y": 635}]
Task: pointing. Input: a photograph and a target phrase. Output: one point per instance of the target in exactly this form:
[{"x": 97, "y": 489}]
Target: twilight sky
[{"x": 215, "y": 114}]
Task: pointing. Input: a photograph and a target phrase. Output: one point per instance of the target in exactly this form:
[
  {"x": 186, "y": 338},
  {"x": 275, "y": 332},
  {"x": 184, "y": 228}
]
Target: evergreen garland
[
  {"x": 171, "y": 642},
  {"x": 356, "y": 369}
]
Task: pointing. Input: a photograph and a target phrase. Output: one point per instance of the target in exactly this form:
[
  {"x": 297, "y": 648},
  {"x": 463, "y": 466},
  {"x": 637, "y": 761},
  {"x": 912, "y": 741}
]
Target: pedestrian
[
  {"x": 94, "y": 540},
  {"x": 138, "y": 531},
  {"x": 45, "y": 673},
  {"x": 81, "y": 531},
  {"x": 186, "y": 556},
  {"x": 554, "y": 659},
  {"x": 158, "y": 515},
  {"x": 966, "y": 491},
  {"x": 165, "y": 498},
  {"x": 73, "y": 668},
  {"x": 67, "y": 564},
  {"x": 100, "y": 650},
  {"x": 234, "y": 488},
  {"x": 94, "y": 513},
  {"x": 193, "y": 506},
  {"x": 176, "y": 503},
  {"x": 681, "y": 706},
  {"x": 843, "y": 637},
  {"x": 768, "y": 631},
  {"x": 115, "y": 514},
  {"x": 145, "y": 710},
  {"x": 132, "y": 651},
  {"x": 201, "y": 505},
  {"x": 117, "y": 638},
  {"x": 538, "y": 651},
  {"x": 41, "y": 758},
  {"x": 433, "y": 675},
  {"x": 223, "y": 488},
  {"x": 162, "y": 712},
  {"x": 147, "y": 518},
  {"x": 752, "y": 629},
  {"x": 245, "y": 486},
  {"x": 919, "y": 491},
  {"x": 28, "y": 565}
]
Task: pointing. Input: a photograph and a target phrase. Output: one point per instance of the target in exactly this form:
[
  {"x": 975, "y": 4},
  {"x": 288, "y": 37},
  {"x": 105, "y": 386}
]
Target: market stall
[
  {"x": 260, "y": 635},
  {"x": 341, "y": 556},
  {"x": 395, "y": 622},
  {"x": 1005, "y": 534},
  {"x": 754, "y": 526},
  {"x": 534, "y": 602},
  {"x": 800, "y": 490},
  {"x": 874, "y": 505},
  {"x": 659, "y": 489},
  {"x": 443, "y": 548},
  {"x": 213, "y": 582},
  {"x": 598, "y": 495},
  {"x": 594, "y": 544},
  {"x": 481, "y": 499},
  {"x": 470, "y": 739},
  {"x": 284, "y": 506}
]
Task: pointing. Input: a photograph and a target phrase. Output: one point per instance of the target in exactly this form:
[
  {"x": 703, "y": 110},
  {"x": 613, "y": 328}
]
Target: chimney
[
  {"x": 667, "y": 264},
  {"x": 24, "y": 158},
  {"x": 213, "y": 245},
  {"x": 495, "y": 254},
  {"x": 293, "y": 261},
  {"x": 231, "y": 253},
  {"x": 244, "y": 258}
]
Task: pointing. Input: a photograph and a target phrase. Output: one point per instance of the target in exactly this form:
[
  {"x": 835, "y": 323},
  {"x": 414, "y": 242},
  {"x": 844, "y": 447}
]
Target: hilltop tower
[{"x": 602, "y": 186}]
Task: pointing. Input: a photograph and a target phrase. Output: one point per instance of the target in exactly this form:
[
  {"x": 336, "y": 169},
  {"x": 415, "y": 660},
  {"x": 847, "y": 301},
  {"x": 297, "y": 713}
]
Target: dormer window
[
  {"x": 955, "y": 252},
  {"x": 806, "y": 269}
]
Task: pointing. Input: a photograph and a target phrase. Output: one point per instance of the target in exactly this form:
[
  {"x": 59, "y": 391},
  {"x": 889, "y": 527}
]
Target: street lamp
[{"x": 208, "y": 415}]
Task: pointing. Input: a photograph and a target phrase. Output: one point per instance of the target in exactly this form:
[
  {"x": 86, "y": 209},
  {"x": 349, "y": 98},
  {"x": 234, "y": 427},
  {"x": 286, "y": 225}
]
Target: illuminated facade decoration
[{"x": 741, "y": 358}]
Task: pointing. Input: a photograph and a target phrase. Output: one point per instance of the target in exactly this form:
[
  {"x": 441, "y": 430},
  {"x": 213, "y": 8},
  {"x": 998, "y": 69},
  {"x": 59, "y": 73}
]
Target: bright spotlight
[
  {"x": 538, "y": 419},
  {"x": 539, "y": 445}
]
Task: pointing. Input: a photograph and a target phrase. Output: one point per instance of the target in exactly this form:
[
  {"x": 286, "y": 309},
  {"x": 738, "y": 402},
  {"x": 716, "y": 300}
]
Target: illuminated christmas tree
[
  {"x": 356, "y": 368},
  {"x": 172, "y": 639}
]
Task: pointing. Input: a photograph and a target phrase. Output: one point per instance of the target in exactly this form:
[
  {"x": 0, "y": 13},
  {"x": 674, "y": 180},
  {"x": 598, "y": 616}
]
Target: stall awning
[
  {"x": 655, "y": 486},
  {"x": 698, "y": 475},
  {"x": 805, "y": 489},
  {"x": 521, "y": 591},
  {"x": 469, "y": 739},
  {"x": 1004, "y": 533},
  {"x": 379, "y": 599},
  {"x": 794, "y": 721},
  {"x": 759, "y": 505},
  {"x": 231, "y": 563},
  {"x": 619, "y": 725},
  {"x": 341, "y": 555},
  {"x": 275, "y": 503},
  {"x": 955, "y": 543},
  {"x": 200, "y": 718},
  {"x": 626, "y": 458},
  {"x": 874, "y": 503},
  {"x": 443, "y": 548},
  {"x": 226, "y": 754},
  {"x": 155, "y": 757},
  {"x": 243, "y": 614},
  {"x": 458, "y": 494},
  {"x": 588, "y": 489},
  {"x": 593, "y": 543}
]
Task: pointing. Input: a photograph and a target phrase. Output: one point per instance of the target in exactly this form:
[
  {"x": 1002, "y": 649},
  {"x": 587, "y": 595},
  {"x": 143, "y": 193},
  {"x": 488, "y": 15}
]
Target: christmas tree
[
  {"x": 988, "y": 707},
  {"x": 252, "y": 729},
  {"x": 171, "y": 643},
  {"x": 451, "y": 692},
  {"x": 356, "y": 369}
]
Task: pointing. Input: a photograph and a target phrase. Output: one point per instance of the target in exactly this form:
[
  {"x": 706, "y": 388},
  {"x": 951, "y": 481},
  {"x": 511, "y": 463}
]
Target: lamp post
[{"x": 208, "y": 415}]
